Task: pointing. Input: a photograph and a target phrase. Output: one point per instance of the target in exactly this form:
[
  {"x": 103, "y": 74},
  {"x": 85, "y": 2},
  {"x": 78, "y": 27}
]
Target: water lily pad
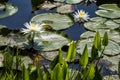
[
  {"x": 49, "y": 5},
  {"x": 114, "y": 60},
  {"x": 11, "y": 38},
  {"x": 56, "y": 21},
  {"x": 113, "y": 7},
  {"x": 101, "y": 25},
  {"x": 3, "y": 41},
  {"x": 12, "y": 41},
  {"x": 117, "y": 21},
  {"x": 70, "y": 1},
  {"x": 108, "y": 13},
  {"x": 48, "y": 41},
  {"x": 25, "y": 60},
  {"x": 17, "y": 40},
  {"x": 60, "y": 0},
  {"x": 112, "y": 35},
  {"x": 2, "y": 6},
  {"x": 2, "y": 26},
  {"x": 98, "y": 19},
  {"x": 65, "y": 9},
  {"x": 50, "y": 55},
  {"x": 73, "y": 1},
  {"x": 9, "y": 10},
  {"x": 112, "y": 49}
]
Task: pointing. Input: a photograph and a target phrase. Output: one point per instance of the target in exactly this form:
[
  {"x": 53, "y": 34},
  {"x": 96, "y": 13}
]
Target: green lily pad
[
  {"x": 17, "y": 40},
  {"x": 2, "y": 6},
  {"x": 114, "y": 60},
  {"x": 56, "y": 21},
  {"x": 11, "y": 38},
  {"x": 25, "y": 60},
  {"x": 112, "y": 49},
  {"x": 49, "y": 5},
  {"x": 108, "y": 13},
  {"x": 12, "y": 41},
  {"x": 112, "y": 35},
  {"x": 50, "y": 55},
  {"x": 101, "y": 25},
  {"x": 112, "y": 7},
  {"x": 60, "y": 0},
  {"x": 117, "y": 21},
  {"x": 48, "y": 41},
  {"x": 98, "y": 19},
  {"x": 2, "y": 26},
  {"x": 70, "y": 1},
  {"x": 65, "y": 9},
  {"x": 73, "y": 1},
  {"x": 9, "y": 10}
]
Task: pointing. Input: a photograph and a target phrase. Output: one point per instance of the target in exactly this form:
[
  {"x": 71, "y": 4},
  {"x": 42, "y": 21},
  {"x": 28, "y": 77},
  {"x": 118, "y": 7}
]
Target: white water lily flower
[
  {"x": 32, "y": 27},
  {"x": 81, "y": 16}
]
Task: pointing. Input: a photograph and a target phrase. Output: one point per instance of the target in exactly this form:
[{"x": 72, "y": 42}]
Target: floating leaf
[
  {"x": 109, "y": 11},
  {"x": 112, "y": 35},
  {"x": 98, "y": 19},
  {"x": 60, "y": 0},
  {"x": 48, "y": 41},
  {"x": 49, "y": 55},
  {"x": 11, "y": 38},
  {"x": 57, "y": 59},
  {"x": 26, "y": 61},
  {"x": 49, "y": 5},
  {"x": 65, "y": 9},
  {"x": 70, "y": 1},
  {"x": 112, "y": 49},
  {"x": 2, "y": 26},
  {"x": 101, "y": 25},
  {"x": 9, "y": 10},
  {"x": 2, "y": 6},
  {"x": 73, "y": 1},
  {"x": 117, "y": 20},
  {"x": 111, "y": 64},
  {"x": 56, "y": 21},
  {"x": 113, "y": 7},
  {"x": 108, "y": 14}
]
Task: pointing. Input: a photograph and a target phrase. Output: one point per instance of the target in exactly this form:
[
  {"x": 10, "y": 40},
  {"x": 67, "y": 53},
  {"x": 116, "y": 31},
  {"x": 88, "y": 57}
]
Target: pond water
[{"x": 24, "y": 14}]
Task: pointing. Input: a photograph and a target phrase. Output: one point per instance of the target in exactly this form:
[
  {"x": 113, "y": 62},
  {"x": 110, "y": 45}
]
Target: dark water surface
[{"x": 24, "y": 14}]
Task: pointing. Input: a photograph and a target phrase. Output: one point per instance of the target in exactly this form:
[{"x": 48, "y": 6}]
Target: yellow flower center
[
  {"x": 81, "y": 14},
  {"x": 32, "y": 27}
]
